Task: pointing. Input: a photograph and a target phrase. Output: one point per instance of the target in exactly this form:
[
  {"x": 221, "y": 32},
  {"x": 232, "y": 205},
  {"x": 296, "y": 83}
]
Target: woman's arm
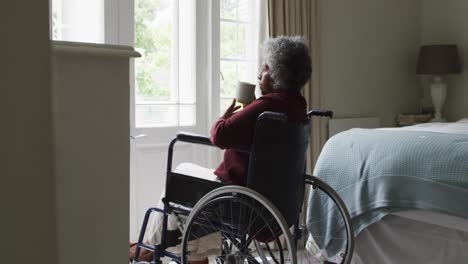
[{"x": 236, "y": 131}]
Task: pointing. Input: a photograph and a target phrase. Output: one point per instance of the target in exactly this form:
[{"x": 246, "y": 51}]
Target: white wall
[
  {"x": 368, "y": 57},
  {"x": 446, "y": 22},
  {"x": 26, "y": 162}
]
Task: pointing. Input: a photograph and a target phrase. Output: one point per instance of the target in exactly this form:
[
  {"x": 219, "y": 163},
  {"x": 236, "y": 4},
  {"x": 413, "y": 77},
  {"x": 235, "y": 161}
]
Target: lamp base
[{"x": 438, "y": 94}]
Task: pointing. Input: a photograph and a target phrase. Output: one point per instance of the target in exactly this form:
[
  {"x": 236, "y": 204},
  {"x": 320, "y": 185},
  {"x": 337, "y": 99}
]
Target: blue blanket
[{"x": 377, "y": 172}]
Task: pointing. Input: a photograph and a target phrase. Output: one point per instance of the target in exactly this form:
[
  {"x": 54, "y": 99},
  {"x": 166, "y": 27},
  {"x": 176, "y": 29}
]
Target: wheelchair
[{"x": 258, "y": 223}]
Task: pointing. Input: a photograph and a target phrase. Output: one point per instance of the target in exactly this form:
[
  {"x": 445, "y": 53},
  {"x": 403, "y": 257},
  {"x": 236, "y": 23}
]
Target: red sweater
[{"x": 236, "y": 132}]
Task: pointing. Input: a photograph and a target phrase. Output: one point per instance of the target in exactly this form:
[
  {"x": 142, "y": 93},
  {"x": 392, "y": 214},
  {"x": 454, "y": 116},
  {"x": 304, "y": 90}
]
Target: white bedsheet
[
  {"x": 401, "y": 240},
  {"x": 460, "y": 127},
  {"x": 435, "y": 218}
]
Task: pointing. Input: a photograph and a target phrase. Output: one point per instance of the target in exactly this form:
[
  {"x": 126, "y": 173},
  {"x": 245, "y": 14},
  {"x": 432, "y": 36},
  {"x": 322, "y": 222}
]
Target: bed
[{"x": 406, "y": 190}]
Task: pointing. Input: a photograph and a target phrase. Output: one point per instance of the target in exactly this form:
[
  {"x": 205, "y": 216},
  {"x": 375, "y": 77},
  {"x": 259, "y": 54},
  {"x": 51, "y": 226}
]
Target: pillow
[{"x": 463, "y": 120}]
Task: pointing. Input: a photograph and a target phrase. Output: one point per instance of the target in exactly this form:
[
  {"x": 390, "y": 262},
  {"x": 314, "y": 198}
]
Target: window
[
  {"x": 78, "y": 20},
  {"x": 170, "y": 34},
  {"x": 238, "y": 49},
  {"x": 165, "y": 88}
]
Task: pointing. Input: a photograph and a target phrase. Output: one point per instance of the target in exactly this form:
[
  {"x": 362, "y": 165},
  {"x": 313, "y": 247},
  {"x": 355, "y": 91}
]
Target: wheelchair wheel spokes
[
  {"x": 242, "y": 223},
  {"x": 270, "y": 254},
  {"x": 329, "y": 237}
]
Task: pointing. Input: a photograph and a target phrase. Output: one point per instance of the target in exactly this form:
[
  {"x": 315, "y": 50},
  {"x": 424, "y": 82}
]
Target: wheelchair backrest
[{"x": 278, "y": 162}]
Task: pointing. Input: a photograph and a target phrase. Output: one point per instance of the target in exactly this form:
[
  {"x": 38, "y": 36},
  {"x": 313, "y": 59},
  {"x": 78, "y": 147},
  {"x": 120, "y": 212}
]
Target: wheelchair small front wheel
[
  {"x": 330, "y": 233},
  {"x": 238, "y": 220}
]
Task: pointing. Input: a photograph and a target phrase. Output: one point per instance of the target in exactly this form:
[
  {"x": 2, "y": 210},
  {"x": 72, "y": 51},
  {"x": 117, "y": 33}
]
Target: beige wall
[
  {"x": 446, "y": 22},
  {"x": 27, "y": 181},
  {"x": 368, "y": 57}
]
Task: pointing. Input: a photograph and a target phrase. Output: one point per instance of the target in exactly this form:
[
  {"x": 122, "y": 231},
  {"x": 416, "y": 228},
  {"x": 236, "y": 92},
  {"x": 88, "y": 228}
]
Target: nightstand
[{"x": 412, "y": 119}]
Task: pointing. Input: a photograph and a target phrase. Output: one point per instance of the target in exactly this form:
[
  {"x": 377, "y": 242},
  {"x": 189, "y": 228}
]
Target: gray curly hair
[{"x": 289, "y": 62}]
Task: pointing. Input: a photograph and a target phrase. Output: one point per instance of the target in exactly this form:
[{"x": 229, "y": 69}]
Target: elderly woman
[{"x": 286, "y": 69}]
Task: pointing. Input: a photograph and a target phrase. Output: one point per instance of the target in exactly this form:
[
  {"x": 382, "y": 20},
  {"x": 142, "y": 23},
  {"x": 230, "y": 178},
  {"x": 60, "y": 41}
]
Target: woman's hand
[{"x": 231, "y": 109}]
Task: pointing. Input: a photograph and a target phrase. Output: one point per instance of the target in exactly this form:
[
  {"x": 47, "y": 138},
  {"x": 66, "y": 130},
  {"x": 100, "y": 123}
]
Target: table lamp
[{"x": 438, "y": 60}]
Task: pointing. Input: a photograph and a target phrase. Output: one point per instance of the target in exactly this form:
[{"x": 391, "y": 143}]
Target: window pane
[
  {"x": 247, "y": 72},
  {"x": 156, "y": 115},
  {"x": 238, "y": 50},
  {"x": 241, "y": 41},
  {"x": 245, "y": 10},
  {"x": 228, "y": 39},
  {"x": 153, "y": 38},
  {"x": 224, "y": 104},
  {"x": 228, "y": 9},
  {"x": 78, "y": 20},
  {"x": 155, "y": 84},
  {"x": 228, "y": 82}
]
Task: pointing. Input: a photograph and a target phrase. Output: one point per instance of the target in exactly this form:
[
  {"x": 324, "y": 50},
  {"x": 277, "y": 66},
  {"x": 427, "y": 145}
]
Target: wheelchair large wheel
[
  {"x": 329, "y": 231},
  {"x": 245, "y": 227}
]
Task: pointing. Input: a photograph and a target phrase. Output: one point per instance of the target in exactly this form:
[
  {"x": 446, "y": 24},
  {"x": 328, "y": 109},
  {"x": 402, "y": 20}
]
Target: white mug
[{"x": 245, "y": 93}]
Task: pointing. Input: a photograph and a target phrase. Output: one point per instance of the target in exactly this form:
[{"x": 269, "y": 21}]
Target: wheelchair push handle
[{"x": 320, "y": 112}]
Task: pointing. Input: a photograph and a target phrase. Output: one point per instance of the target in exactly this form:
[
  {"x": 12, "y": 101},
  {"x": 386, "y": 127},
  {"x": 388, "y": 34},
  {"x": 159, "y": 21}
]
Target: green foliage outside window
[{"x": 153, "y": 39}]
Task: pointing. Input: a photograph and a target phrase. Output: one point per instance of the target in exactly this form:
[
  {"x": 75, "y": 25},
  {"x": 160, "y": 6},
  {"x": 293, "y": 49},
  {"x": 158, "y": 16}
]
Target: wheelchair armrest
[
  {"x": 193, "y": 138},
  {"x": 320, "y": 112}
]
